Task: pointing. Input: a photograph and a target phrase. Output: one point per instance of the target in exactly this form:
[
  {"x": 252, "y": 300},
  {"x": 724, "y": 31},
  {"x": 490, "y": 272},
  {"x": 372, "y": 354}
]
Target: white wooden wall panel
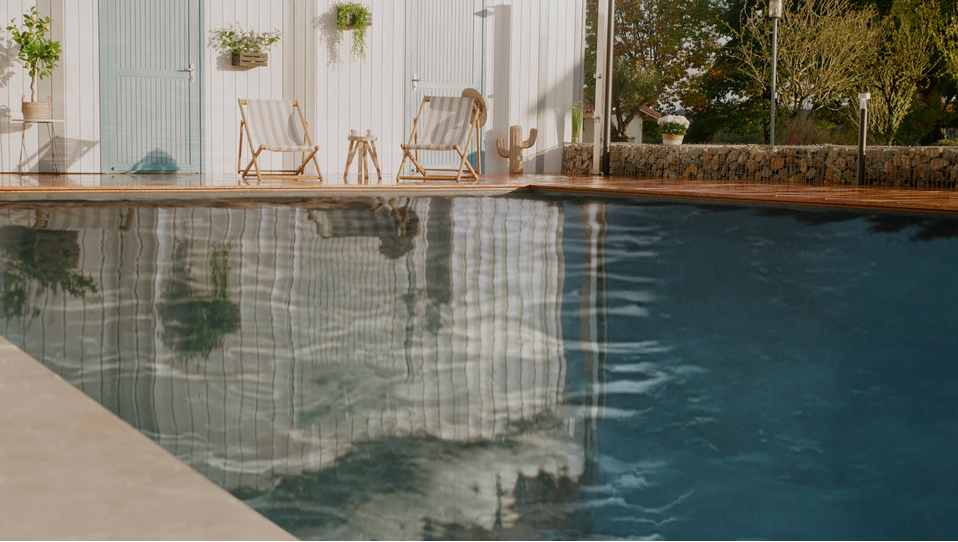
[{"x": 533, "y": 75}]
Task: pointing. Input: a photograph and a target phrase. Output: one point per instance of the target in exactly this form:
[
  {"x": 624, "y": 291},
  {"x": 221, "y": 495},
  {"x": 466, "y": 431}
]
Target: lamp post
[
  {"x": 862, "y": 131},
  {"x": 775, "y": 13},
  {"x": 603, "y": 86}
]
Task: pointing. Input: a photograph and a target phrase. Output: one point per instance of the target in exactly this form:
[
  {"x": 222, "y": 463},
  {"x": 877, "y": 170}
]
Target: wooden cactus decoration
[{"x": 516, "y": 144}]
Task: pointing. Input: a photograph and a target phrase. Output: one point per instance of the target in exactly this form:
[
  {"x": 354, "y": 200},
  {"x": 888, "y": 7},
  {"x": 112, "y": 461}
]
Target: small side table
[
  {"x": 51, "y": 131},
  {"x": 365, "y": 144}
]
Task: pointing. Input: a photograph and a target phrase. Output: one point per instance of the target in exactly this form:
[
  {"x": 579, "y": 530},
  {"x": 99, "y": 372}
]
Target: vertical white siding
[
  {"x": 533, "y": 75},
  {"x": 74, "y": 88}
]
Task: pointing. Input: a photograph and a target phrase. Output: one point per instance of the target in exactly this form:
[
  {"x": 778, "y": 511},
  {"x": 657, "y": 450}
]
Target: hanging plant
[{"x": 355, "y": 17}]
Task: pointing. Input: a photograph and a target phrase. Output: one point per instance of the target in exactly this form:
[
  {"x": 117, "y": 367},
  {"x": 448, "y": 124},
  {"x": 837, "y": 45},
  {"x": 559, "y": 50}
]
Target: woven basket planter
[
  {"x": 36, "y": 110},
  {"x": 250, "y": 60}
]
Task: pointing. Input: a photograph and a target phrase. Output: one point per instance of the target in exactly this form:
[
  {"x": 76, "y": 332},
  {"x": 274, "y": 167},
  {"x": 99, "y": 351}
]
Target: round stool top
[{"x": 361, "y": 138}]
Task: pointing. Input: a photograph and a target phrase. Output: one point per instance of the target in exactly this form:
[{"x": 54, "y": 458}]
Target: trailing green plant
[
  {"x": 578, "y": 109},
  {"x": 39, "y": 53},
  {"x": 233, "y": 39},
  {"x": 354, "y": 16}
]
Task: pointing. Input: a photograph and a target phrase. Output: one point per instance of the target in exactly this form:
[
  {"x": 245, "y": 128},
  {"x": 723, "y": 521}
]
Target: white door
[{"x": 444, "y": 55}]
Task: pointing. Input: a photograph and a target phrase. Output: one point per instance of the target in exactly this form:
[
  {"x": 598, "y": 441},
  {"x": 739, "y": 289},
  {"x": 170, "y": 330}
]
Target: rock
[{"x": 938, "y": 164}]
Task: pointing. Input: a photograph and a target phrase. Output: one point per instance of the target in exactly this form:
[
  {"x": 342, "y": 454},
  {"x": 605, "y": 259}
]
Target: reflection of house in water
[{"x": 358, "y": 321}]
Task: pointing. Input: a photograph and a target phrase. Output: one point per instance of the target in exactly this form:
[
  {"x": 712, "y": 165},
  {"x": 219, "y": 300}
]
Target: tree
[
  {"x": 662, "y": 40},
  {"x": 632, "y": 87},
  {"x": 946, "y": 38},
  {"x": 824, "y": 49},
  {"x": 904, "y": 61}
]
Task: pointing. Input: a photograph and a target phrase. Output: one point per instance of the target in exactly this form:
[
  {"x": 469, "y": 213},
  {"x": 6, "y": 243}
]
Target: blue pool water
[{"x": 521, "y": 367}]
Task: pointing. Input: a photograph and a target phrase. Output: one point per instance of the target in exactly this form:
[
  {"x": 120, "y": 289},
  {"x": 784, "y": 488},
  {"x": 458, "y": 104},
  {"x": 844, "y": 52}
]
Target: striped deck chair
[
  {"x": 444, "y": 124},
  {"x": 276, "y": 126}
]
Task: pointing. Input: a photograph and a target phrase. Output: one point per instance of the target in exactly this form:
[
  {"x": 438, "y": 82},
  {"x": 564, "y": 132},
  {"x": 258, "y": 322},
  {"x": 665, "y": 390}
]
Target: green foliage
[
  {"x": 577, "y": 111},
  {"x": 632, "y": 87},
  {"x": 946, "y": 38},
  {"x": 233, "y": 39},
  {"x": 39, "y": 53},
  {"x": 673, "y": 39},
  {"x": 353, "y": 16},
  {"x": 195, "y": 323},
  {"x": 902, "y": 65},
  {"x": 674, "y": 128},
  {"x": 37, "y": 261}
]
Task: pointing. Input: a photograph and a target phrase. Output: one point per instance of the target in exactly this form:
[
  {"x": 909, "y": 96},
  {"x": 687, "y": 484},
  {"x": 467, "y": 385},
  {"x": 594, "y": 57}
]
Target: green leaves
[
  {"x": 233, "y": 39},
  {"x": 39, "y": 53},
  {"x": 353, "y": 16}
]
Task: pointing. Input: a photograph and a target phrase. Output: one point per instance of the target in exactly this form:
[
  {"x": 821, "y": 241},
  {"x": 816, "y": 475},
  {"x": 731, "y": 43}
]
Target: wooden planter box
[
  {"x": 250, "y": 60},
  {"x": 352, "y": 26}
]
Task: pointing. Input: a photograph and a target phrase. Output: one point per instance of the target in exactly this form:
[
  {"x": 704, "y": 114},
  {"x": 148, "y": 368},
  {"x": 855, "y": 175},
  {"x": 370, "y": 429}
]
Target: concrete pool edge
[{"x": 71, "y": 469}]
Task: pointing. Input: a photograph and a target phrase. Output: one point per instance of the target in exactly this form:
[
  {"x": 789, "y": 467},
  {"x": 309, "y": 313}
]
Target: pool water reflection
[{"x": 516, "y": 367}]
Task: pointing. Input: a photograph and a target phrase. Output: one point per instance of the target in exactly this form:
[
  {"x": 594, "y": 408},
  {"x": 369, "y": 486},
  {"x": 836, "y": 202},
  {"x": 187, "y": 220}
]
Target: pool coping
[
  {"x": 89, "y": 188},
  {"x": 71, "y": 469}
]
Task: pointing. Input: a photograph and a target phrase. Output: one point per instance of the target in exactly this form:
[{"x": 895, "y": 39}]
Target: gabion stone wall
[{"x": 817, "y": 165}]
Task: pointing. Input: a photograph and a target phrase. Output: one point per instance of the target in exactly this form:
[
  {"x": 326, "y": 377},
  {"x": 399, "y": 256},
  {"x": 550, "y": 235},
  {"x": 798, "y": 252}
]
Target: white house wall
[{"x": 534, "y": 57}]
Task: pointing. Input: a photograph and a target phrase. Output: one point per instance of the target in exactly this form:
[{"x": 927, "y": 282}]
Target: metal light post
[
  {"x": 862, "y": 130},
  {"x": 603, "y": 86},
  {"x": 775, "y": 13}
]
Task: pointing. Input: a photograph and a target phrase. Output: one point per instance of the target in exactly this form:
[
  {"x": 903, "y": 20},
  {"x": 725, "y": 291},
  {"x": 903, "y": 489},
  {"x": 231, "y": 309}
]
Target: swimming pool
[{"x": 520, "y": 367}]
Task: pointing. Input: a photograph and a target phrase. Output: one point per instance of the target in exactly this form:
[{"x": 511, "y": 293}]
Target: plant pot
[
  {"x": 36, "y": 110},
  {"x": 575, "y": 139},
  {"x": 351, "y": 21},
  {"x": 672, "y": 139},
  {"x": 250, "y": 60}
]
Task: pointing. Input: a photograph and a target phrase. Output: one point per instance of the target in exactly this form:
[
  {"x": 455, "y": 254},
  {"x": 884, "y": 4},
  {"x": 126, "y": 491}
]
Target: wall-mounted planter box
[
  {"x": 250, "y": 60},
  {"x": 351, "y": 25}
]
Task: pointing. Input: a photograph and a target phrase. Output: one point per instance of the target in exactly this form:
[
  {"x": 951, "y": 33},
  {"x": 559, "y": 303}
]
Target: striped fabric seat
[
  {"x": 444, "y": 123},
  {"x": 276, "y": 125}
]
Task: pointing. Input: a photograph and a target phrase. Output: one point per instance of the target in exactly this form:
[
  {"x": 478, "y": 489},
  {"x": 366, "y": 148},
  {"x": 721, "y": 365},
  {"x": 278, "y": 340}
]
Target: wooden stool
[{"x": 365, "y": 144}]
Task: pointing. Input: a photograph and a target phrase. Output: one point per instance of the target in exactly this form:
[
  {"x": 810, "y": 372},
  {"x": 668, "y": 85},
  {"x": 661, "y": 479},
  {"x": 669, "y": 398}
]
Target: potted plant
[
  {"x": 356, "y": 17},
  {"x": 577, "y": 112},
  {"x": 39, "y": 54},
  {"x": 674, "y": 128},
  {"x": 246, "y": 48}
]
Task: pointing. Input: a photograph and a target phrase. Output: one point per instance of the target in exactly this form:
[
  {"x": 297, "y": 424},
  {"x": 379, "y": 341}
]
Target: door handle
[{"x": 192, "y": 71}]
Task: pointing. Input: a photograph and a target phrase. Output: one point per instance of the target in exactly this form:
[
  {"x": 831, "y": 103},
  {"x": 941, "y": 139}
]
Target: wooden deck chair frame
[
  {"x": 260, "y": 174},
  {"x": 465, "y": 171}
]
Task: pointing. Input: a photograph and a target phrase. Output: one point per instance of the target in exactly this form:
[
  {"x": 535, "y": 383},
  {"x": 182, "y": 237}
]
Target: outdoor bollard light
[
  {"x": 775, "y": 13},
  {"x": 862, "y": 130}
]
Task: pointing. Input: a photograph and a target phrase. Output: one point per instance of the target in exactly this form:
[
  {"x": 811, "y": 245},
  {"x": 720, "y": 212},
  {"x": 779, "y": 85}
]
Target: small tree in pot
[{"x": 39, "y": 54}]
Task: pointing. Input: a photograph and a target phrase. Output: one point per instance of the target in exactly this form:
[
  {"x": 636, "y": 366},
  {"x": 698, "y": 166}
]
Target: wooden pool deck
[{"x": 200, "y": 187}]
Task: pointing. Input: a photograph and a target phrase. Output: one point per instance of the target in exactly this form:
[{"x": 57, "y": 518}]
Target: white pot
[{"x": 672, "y": 139}]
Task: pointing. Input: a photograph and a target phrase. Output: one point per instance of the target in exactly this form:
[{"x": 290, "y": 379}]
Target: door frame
[{"x": 107, "y": 76}]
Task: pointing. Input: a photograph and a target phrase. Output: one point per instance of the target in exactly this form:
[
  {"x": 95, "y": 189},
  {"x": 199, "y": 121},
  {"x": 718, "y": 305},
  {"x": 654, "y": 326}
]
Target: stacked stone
[
  {"x": 577, "y": 159},
  {"x": 816, "y": 165}
]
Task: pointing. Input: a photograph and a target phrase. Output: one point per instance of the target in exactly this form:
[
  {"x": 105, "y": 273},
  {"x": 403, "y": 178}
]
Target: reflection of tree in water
[
  {"x": 195, "y": 323},
  {"x": 543, "y": 504},
  {"x": 323, "y": 504},
  {"x": 37, "y": 261}
]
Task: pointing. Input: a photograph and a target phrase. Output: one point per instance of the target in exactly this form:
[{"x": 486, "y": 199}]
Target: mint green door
[{"x": 150, "y": 85}]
